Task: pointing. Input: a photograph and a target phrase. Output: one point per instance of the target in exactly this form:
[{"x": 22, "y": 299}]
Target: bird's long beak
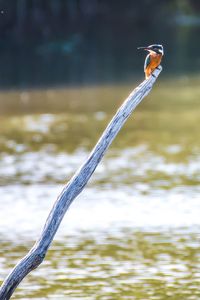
[{"x": 143, "y": 48}]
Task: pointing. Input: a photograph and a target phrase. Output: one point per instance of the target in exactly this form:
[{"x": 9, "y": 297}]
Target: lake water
[{"x": 133, "y": 233}]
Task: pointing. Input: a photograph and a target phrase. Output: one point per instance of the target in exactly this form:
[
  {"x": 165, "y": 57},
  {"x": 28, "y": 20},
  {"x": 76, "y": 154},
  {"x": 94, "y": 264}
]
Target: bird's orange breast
[{"x": 155, "y": 60}]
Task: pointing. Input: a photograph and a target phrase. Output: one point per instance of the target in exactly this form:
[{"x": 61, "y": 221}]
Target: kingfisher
[{"x": 153, "y": 59}]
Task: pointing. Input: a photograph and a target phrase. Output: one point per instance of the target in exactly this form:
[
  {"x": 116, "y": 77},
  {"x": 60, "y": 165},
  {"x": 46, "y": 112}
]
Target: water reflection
[
  {"x": 128, "y": 264},
  {"x": 133, "y": 165},
  {"x": 133, "y": 232}
]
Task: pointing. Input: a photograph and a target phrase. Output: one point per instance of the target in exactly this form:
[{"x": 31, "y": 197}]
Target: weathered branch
[{"x": 73, "y": 188}]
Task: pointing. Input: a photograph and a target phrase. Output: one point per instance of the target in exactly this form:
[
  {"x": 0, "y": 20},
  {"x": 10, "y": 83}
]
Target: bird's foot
[{"x": 159, "y": 67}]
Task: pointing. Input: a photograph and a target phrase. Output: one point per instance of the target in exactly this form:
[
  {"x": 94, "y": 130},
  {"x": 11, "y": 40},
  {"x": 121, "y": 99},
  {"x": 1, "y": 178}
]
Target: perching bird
[{"x": 153, "y": 59}]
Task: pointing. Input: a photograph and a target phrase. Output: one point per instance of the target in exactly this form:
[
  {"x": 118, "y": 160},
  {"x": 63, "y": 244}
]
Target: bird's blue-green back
[{"x": 147, "y": 61}]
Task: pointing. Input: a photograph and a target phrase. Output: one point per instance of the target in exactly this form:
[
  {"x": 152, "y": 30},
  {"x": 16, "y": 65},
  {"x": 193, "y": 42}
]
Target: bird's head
[{"x": 155, "y": 48}]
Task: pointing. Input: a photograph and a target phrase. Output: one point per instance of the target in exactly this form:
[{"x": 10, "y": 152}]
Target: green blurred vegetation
[
  {"x": 91, "y": 41},
  {"x": 32, "y": 20}
]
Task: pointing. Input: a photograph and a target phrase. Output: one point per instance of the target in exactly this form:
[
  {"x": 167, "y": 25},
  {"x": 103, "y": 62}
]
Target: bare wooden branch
[{"x": 73, "y": 188}]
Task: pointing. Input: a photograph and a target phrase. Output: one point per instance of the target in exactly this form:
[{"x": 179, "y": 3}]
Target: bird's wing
[{"x": 147, "y": 61}]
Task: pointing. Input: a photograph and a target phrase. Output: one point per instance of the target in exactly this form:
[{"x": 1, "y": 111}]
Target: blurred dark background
[{"x": 70, "y": 42}]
